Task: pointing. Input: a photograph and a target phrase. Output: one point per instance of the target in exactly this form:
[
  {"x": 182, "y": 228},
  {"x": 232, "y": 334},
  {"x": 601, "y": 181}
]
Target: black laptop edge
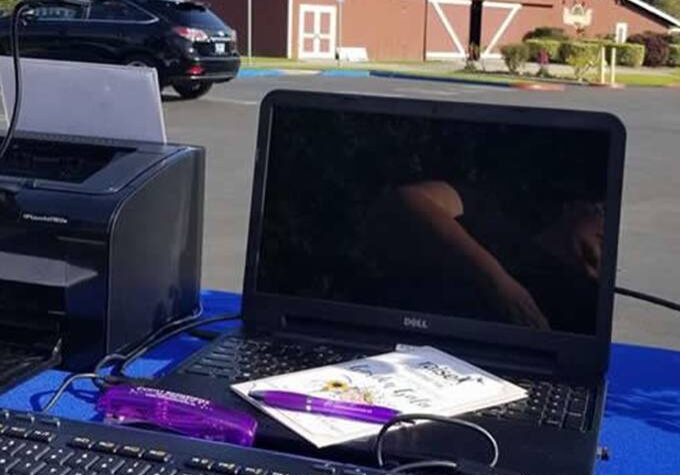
[{"x": 566, "y": 354}]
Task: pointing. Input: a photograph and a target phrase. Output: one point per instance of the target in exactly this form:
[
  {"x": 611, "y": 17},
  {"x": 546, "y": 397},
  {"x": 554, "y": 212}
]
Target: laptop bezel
[{"x": 571, "y": 353}]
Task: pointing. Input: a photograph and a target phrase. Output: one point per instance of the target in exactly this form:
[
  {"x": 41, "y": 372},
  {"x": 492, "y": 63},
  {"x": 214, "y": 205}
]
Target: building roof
[{"x": 656, "y": 12}]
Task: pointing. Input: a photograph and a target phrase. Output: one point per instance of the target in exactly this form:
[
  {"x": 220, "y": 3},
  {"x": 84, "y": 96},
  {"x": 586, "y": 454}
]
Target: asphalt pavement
[{"x": 225, "y": 122}]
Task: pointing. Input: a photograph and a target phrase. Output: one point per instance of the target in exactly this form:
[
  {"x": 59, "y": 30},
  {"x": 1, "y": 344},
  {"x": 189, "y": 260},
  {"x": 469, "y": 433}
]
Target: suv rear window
[{"x": 190, "y": 14}]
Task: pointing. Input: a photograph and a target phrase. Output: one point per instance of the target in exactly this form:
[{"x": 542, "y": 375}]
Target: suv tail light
[{"x": 192, "y": 34}]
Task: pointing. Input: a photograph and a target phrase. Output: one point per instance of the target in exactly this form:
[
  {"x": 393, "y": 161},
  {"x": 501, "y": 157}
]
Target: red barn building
[{"x": 390, "y": 30}]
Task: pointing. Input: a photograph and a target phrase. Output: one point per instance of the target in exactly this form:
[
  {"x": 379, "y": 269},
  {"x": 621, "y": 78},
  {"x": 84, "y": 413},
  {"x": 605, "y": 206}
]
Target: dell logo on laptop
[{"x": 413, "y": 322}]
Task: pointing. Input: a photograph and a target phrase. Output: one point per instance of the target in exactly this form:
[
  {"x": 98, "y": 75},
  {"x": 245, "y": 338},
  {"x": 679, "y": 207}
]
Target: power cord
[
  {"x": 411, "y": 418},
  {"x": 124, "y": 360},
  {"x": 18, "y": 11},
  {"x": 653, "y": 299}
]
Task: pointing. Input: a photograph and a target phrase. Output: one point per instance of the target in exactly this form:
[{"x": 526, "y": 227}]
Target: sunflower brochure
[{"x": 412, "y": 379}]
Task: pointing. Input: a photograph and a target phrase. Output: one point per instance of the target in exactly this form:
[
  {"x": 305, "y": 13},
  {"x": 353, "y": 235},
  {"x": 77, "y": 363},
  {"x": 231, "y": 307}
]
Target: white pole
[
  {"x": 250, "y": 31},
  {"x": 613, "y": 67},
  {"x": 339, "y": 47}
]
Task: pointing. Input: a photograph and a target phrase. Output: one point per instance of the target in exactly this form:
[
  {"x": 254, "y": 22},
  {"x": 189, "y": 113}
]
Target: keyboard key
[
  {"x": 577, "y": 405},
  {"x": 27, "y": 467},
  {"x": 33, "y": 451},
  {"x": 6, "y": 463},
  {"x": 53, "y": 470},
  {"x": 134, "y": 468},
  {"x": 82, "y": 461},
  {"x": 50, "y": 421},
  {"x": 573, "y": 421},
  {"x": 200, "y": 463},
  {"x": 57, "y": 456},
  {"x": 41, "y": 436},
  {"x": 81, "y": 443},
  {"x": 108, "y": 465},
  {"x": 105, "y": 447},
  {"x": 227, "y": 468},
  {"x": 16, "y": 432},
  {"x": 255, "y": 471},
  {"x": 156, "y": 456},
  {"x": 199, "y": 369},
  {"x": 10, "y": 446},
  {"x": 130, "y": 451},
  {"x": 162, "y": 471},
  {"x": 30, "y": 418}
]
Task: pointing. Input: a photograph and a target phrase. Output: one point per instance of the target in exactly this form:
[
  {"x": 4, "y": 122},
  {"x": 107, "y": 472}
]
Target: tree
[{"x": 672, "y": 7}]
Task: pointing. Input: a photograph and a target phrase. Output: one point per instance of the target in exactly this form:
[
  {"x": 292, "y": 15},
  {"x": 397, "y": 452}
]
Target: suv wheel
[{"x": 192, "y": 90}]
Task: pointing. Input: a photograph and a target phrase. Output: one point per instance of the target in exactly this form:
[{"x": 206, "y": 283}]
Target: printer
[{"x": 100, "y": 244}]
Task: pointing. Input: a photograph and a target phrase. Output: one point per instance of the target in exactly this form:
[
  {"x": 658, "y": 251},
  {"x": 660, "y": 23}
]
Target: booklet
[{"x": 412, "y": 379}]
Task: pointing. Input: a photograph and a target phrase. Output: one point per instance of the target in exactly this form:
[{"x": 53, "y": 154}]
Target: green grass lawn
[{"x": 649, "y": 80}]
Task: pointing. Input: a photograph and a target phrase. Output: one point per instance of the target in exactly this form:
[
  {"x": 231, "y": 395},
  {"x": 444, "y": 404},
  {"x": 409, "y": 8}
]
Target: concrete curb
[
  {"x": 471, "y": 82},
  {"x": 615, "y": 86},
  {"x": 539, "y": 86}
]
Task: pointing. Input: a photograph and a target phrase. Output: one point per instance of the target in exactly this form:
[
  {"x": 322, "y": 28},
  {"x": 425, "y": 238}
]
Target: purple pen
[{"x": 325, "y": 407}]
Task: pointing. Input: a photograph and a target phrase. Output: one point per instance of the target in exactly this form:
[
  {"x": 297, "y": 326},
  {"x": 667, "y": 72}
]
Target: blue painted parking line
[
  {"x": 346, "y": 73},
  {"x": 255, "y": 72}
]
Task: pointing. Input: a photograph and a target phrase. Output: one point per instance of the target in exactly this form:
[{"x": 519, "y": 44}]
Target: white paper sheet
[
  {"x": 93, "y": 100},
  {"x": 409, "y": 380}
]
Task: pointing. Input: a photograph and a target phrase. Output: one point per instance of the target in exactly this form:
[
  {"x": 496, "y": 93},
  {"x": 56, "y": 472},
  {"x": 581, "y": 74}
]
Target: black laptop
[{"x": 489, "y": 232}]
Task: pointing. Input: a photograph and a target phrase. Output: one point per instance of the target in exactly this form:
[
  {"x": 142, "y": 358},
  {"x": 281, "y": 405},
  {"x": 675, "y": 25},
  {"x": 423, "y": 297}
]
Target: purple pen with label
[{"x": 325, "y": 407}]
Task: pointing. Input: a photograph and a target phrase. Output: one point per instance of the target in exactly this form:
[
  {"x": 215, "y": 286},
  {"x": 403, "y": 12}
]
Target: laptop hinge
[{"x": 501, "y": 357}]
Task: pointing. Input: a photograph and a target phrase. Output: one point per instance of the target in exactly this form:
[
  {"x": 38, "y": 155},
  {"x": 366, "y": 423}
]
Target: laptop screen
[{"x": 484, "y": 221}]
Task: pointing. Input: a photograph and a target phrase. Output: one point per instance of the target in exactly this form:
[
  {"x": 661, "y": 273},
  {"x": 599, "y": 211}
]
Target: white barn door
[{"x": 317, "y": 31}]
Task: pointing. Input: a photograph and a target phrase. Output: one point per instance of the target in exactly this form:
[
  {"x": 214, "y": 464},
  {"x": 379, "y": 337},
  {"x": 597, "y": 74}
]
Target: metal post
[
  {"x": 250, "y": 32},
  {"x": 613, "y": 66},
  {"x": 603, "y": 62}
]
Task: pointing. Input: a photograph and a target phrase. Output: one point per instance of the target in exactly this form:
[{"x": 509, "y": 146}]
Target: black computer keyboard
[
  {"x": 552, "y": 404},
  {"x": 33, "y": 444},
  {"x": 237, "y": 359}
]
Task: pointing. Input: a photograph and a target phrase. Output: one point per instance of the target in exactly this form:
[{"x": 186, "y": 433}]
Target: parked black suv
[{"x": 189, "y": 45}]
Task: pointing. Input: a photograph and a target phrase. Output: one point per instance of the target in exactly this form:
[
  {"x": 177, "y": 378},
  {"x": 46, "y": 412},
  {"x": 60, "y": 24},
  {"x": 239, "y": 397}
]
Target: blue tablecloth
[{"x": 641, "y": 425}]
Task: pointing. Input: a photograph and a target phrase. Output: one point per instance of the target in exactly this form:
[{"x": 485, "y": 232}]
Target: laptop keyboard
[
  {"x": 551, "y": 404},
  {"x": 235, "y": 359}
]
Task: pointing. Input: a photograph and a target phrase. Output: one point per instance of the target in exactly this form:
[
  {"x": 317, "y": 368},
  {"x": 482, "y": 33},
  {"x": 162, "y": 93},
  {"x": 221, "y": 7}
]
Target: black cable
[
  {"x": 380, "y": 438},
  {"x": 141, "y": 351},
  {"x": 149, "y": 338},
  {"x": 125, "y": 360},
  {"x": 19, "y": 9},
  {"x": 64, "y": 386},
  {"x": 653, "y": 299}
]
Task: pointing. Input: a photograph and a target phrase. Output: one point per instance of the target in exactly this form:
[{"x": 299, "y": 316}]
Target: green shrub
[
  {"x": 628, "y": 54},
  {"x": 674, "y": 55},
  {"x": 552, "y": 47},
  {"x": 515, "y": 56},
  {"x": 547, "y": 32},
  {"x": 674, "y": 39},
  {"x": 580, "y": 56},
  {"x": 656, "y": 47}
]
